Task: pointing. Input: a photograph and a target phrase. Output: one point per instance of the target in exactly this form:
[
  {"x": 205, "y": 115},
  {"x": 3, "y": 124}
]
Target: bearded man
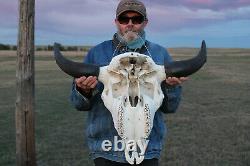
[{"x": 131, "y": 20}]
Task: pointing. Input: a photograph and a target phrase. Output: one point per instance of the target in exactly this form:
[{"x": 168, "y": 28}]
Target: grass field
[{"x": 211, "y": 127}]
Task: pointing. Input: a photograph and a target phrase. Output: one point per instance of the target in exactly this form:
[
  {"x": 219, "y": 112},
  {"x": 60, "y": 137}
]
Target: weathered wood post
[{"x": 25, "y": 125}]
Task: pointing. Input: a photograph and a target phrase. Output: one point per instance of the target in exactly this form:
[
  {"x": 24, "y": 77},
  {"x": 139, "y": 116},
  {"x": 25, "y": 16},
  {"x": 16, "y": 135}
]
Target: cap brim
[{"x": 133, "y": 10}]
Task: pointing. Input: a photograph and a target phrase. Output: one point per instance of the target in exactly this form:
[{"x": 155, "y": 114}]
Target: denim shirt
[{"x": 100, "y": 125}]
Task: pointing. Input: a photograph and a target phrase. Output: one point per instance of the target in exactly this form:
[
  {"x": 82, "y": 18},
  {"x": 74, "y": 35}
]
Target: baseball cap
[{"x": 131, "y": 5}]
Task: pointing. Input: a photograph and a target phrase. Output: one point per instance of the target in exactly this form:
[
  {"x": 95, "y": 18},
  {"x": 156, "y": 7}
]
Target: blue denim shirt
[{"x": 100, "y": 125}]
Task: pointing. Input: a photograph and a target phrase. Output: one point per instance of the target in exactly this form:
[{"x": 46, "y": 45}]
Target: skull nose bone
[{"x": 133, "y": 101}]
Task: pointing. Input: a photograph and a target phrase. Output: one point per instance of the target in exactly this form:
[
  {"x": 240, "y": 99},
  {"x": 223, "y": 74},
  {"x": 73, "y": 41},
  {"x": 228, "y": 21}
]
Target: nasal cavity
[{"x": 133, "y": 101}]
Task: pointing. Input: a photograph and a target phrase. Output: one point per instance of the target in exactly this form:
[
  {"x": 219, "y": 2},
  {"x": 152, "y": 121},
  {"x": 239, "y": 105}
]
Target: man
[{"x": 131, "y": 19}]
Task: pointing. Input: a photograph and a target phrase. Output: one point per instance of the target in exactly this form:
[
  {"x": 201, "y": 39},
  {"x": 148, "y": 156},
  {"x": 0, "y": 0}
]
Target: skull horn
[
  {"x": 187, "y": 67},
  {"x": 74, "y": 69}
]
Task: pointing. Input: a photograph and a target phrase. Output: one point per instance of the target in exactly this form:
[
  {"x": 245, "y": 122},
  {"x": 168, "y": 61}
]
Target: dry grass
[
  {"x": 210, "y": 128},
  {"x": 172, "y": 51},
  {"x": 43, "y": 53}
]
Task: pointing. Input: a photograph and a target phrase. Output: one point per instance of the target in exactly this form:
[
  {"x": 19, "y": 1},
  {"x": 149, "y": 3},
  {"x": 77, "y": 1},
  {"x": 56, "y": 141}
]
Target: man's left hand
[{"x": 172, "y": 81}]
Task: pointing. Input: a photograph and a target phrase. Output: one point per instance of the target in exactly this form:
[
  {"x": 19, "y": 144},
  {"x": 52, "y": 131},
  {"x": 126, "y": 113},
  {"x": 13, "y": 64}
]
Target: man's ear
[
  {"x": 145, "y": 23},
  {"x": 116, "y": 21}
]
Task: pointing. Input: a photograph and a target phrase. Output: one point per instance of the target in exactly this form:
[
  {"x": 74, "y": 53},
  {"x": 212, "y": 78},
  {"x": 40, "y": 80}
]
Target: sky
[{"x": 172, "y": 23}]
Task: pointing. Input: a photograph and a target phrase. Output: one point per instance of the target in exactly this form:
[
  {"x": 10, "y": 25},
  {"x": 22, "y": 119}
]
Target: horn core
[
  {"x": 187, "y": 67},
  {"x": 74, "y": 69}
]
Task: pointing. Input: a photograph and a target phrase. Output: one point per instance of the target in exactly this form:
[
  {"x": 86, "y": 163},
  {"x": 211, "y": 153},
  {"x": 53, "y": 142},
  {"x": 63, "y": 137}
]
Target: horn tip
[
  {"x": 203, "y": 42},
  {"x": 203, "y": 45},
  {"x": 56, "y": 44}
]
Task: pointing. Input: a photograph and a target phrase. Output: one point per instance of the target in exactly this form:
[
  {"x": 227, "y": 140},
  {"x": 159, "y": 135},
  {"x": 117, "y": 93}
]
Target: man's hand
[
  {"x": 85, "y": 84},
  {"x": 175, "y": 81}
]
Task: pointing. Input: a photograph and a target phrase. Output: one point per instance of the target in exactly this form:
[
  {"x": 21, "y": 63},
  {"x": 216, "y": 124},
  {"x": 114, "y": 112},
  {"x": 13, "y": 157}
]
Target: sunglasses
[{"x": 135, "y": 19}]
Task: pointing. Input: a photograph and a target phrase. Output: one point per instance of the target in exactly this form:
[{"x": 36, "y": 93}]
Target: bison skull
[
  {"x": 132, "y": 91},
  {"x": 132, "y": 94}
]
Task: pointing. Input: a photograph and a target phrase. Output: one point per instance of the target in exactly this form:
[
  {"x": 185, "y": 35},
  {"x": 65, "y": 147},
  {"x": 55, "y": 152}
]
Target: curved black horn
[
  {"x": 74, "y": 69},
  {"x": 187, "y": 67}
]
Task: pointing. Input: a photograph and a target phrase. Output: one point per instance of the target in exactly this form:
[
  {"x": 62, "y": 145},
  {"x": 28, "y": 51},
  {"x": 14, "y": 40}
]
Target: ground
[{"x": 210, "y": 128}]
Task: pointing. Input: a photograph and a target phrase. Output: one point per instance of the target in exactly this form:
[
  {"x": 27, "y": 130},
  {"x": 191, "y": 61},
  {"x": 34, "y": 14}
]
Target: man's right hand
[{"x": 85, "y": 84}]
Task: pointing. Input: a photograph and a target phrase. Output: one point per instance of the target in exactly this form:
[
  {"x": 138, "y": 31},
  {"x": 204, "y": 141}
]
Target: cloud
[
  {"x": 236, "y": 34},
  {"x": 8, "y": 14},
  {"x": 203, "y": 4},
  {"x": 85, "y": 16},
  {"x": 165, "y": 18},
  {"x": 84, "y": 21},
  {"x": 77, "y": 17}
]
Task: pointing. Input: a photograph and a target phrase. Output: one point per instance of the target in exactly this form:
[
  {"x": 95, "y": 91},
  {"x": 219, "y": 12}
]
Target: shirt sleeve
[
  {"x": 172, "y": 97},
  {"x": 79, "y": 100},
  {"x": 172, "y": 94}
]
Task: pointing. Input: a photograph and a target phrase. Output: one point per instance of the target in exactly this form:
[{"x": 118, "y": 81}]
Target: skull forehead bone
[{"x": 132, "y": 91}]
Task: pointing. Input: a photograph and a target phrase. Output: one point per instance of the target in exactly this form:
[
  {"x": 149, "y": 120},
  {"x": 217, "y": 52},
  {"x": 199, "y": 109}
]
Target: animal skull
[{"x": 132, "y": 92}]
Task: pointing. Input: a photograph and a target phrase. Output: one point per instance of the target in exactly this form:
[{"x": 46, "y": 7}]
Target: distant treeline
[{"x": 47, "y": 48}]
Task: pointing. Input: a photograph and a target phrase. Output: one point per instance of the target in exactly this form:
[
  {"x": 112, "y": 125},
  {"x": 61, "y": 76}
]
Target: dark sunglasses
[{"x": 135, "y": 19}]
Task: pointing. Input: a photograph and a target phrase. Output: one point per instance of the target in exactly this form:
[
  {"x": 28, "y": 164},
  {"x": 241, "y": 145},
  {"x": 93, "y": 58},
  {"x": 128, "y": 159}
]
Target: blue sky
[{"x": 179, "y": 23}]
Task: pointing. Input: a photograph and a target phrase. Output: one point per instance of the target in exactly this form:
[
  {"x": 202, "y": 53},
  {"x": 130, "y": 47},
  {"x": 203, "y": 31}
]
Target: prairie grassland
[{"x": 210, "y": 128}]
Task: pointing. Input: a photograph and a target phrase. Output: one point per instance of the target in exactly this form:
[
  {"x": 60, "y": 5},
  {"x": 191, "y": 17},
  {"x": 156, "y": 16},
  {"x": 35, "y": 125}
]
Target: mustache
[
  {"x": 131, "y": 31},
  {"x": 130, "y": 35}
]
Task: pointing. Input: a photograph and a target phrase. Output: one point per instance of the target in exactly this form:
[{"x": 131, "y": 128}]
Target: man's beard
[{"x": 130, "y": 35}]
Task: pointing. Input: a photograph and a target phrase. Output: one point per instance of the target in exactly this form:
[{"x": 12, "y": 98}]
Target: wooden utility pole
[{"x": 25, "y": 101}]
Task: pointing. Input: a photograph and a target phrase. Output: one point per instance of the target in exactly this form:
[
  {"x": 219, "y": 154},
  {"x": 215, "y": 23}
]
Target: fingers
[
  {"x": 183, "y": 79},
  {"x": 89, "y": 81},
  {"x": 78, "y": 81},
  {"x": 175, "y": 81},
  {"x": 93, "y": 85},
  {"x": 172, "y": 81},
  {"x": 86, "y": 82}
]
